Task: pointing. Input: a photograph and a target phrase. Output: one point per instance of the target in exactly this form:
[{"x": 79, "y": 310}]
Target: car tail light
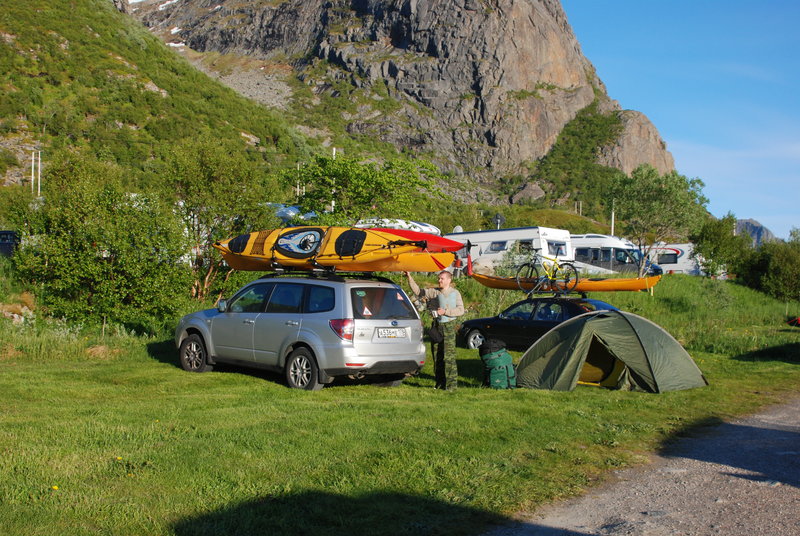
[{"x": 343, "y": 327}]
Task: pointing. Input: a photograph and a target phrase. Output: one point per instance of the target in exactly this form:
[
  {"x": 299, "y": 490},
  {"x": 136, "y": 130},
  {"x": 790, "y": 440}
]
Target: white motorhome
[
  {"x": 675, "y": 258},
  {"x": 490, "y": 247},
  {"x": 605, "y": 254}
]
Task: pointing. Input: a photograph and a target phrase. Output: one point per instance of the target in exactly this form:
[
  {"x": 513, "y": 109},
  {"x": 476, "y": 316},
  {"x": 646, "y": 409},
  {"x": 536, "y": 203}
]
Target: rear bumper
[{"x": 408, "y": 366}]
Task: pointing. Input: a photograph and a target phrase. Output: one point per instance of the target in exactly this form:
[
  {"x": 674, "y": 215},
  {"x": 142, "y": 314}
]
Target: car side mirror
[{"x": 222, "y": 305}]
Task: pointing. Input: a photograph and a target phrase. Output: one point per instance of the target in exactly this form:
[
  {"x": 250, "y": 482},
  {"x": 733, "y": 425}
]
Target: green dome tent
[{"x": 613, "y": 349}]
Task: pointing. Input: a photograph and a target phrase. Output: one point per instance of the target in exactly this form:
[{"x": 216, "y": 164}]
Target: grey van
[{"x": 312, "y": 328}]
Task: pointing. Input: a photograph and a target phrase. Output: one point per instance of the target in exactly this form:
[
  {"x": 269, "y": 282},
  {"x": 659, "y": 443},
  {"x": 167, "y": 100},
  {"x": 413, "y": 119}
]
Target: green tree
[
  {"x": 655, "y": 207},
  {"x": 774, "y": 268},
  {"x": 717, "y": 246},
  {"x": 343, "y": 190},
  {"x": 99, "y": 251},
  {"x": 220, "y": 194}
]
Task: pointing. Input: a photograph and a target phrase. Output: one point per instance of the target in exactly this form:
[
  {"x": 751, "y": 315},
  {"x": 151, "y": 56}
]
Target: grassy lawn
[{"x": 110, "y": 436}]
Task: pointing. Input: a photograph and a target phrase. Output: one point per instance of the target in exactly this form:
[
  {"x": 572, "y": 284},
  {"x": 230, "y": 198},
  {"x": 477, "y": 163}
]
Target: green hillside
[{"x": 79, "y": 74}]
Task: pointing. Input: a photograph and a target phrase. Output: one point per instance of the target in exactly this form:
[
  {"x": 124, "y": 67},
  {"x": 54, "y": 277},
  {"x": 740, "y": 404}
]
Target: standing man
[{"x": 445, "y": 305}]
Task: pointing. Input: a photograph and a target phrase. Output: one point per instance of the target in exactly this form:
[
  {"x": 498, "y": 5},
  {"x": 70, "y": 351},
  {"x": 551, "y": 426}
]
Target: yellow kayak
[
  {"x": 339, "y": 248},
  {"x": 584, "y": 285}
]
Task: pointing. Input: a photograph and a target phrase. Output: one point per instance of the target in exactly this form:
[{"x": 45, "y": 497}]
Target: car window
[
  {"x": 520, "y": 311},
  {"x": 251, "y": 299},
  {"x": 381, "y": 303},
  {"x": 319, "y": 299},
  {"x": 286, "y": 298},
  {"x": 549, "y": 312}
]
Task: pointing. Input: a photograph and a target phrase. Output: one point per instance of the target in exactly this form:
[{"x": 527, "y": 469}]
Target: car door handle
[
  {"x": 292, "y": 323},
  {"x": 249, "y": 321}
]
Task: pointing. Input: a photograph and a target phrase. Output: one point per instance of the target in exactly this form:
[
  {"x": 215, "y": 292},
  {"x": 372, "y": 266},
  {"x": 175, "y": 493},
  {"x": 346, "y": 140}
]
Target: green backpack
[{"x": 498, "y": 371}]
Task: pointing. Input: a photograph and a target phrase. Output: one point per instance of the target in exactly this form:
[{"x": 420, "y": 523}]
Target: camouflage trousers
[{"x": 444, "y": 358}]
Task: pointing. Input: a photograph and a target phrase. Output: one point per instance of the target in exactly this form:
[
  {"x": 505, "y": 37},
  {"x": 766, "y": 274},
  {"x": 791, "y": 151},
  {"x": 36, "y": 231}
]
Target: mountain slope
[
  {"x": 482, "y": 87},
  {"x": 81, "y": 74}
]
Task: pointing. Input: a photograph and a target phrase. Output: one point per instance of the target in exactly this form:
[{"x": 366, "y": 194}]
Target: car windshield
[
  {"x": 595, "y": 305},
  {"x": 381, "y": 303},
  {"x": 519, "y": 311}
]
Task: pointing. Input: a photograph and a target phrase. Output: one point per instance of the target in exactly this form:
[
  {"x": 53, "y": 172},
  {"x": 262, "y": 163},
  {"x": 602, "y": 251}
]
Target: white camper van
[
  {"x": 491, "y": 246},
  {"x": 675, "y": 258},
  {"x": 604, "y": 254}
]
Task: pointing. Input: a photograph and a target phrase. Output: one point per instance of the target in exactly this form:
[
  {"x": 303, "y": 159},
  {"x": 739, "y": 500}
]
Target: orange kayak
[
  {"x": 584, "y": 285},
  {"x": 339, "y": 248}
]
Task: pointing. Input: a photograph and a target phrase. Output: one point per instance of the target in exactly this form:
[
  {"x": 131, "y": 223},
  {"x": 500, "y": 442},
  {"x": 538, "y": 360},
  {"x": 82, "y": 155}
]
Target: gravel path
[{"x": 741, "y": 478}]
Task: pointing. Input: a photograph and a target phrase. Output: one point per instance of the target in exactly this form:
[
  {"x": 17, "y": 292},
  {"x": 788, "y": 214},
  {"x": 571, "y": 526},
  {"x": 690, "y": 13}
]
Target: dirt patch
[
  {"x": 101, "y": 351},
  {"x": 8, "y": 352},
  {"x": 741, "y": 478}
]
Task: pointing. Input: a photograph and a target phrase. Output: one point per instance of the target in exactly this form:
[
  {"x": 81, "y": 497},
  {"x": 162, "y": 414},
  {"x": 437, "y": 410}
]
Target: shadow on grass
[
  {"x": 326, "y": 514},
  {"x": 471, "y": 369},
  {"x": 788, "y": 353},
  {"x": 165, "y": 352}
]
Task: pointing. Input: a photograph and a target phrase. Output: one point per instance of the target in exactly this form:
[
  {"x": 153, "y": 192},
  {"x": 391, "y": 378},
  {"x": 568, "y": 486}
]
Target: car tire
[
  {"x": 193, "y": 354},
  {"x": 474, "y": 339},
  {"x": 302, "y": 371}
]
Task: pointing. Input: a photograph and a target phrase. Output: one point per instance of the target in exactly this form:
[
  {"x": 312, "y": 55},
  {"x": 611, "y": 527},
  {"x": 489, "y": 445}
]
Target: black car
[
  {"x": 523, "y": 323},
  {"x": 9, "y": 240}
]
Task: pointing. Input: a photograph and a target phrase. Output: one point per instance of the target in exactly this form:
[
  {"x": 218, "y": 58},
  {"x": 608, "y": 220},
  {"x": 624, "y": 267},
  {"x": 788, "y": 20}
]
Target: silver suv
[{"x": 312, "y": 328}]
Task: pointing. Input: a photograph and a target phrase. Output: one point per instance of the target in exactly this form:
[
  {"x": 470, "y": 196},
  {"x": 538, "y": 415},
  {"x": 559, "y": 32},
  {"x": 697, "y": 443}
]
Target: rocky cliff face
[{"x": 484, "y": 86}]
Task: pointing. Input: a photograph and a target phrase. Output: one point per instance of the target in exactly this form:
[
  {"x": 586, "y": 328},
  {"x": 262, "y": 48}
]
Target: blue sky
[{"x": 721, "y": 83}]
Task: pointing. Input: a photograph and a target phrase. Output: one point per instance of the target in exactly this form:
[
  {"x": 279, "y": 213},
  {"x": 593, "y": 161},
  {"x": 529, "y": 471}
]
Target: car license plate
[{"x": 391, "y": 333}]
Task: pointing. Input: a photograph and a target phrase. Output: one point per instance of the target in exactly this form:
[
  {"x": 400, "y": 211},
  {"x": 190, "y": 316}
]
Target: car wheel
[
  {"x": 193, "y": 355},
  {"x": 302, "y": 371},
  {"x": 474, "y": 339}
]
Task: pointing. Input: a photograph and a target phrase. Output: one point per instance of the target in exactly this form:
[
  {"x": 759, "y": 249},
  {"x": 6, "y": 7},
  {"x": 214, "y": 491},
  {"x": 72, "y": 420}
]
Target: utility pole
[
  {"x": 612, "y": 217},
  {"x": 36, "y": 186}
]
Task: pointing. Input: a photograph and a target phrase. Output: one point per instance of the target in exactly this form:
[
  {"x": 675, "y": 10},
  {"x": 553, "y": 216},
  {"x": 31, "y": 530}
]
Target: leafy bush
[
  {"x": 774, "y": 268},
  {"x": 97, "y": 251},
  {"x": 716, "y": 246}
]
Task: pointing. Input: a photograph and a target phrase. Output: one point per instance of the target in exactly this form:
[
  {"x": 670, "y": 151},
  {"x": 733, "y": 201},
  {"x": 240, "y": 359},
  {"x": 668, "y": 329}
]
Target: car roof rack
[
  {"x": 560, "y": 294},
  {"x": 328, "y": 275}
]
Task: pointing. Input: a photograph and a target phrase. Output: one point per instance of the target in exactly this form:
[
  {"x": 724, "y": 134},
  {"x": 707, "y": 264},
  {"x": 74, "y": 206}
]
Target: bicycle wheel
[
  {"x": 567, "y": 277},
  {"x": 528, "y": 278}
]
